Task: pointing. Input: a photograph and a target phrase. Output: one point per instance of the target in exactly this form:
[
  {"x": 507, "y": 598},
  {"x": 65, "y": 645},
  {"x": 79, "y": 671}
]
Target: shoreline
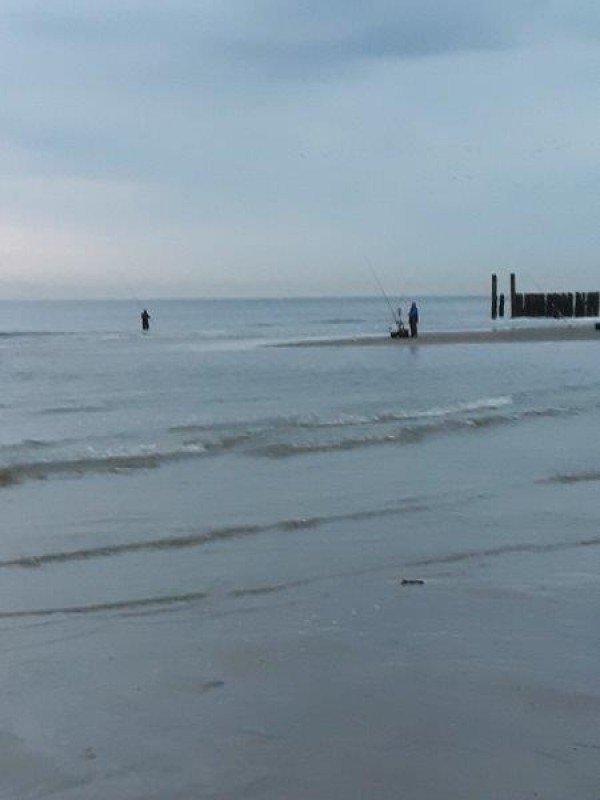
[{"x": 502, "y": 336}]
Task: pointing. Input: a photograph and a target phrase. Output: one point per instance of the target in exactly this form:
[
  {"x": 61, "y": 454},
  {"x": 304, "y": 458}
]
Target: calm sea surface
[
  {"x": 199, "y": 467},
  {"x": 113, "y": 438}
]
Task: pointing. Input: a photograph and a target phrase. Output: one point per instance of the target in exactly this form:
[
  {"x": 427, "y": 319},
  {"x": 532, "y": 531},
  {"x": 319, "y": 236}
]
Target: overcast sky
[{"x": 270, "y": 147}]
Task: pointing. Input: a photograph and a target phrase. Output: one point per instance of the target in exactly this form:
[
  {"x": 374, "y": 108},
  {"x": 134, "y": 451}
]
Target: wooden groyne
[{"x": 551, "y": 305}]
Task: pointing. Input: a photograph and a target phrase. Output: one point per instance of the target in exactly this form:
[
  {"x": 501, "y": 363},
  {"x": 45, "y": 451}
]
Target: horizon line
[{"x": 236, "y": 298}]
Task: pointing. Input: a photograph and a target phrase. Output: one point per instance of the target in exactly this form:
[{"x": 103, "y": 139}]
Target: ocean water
[
  {"x": 85, "y": 393},
  {"x": 208, "y": 430},
  {"x": 206, "y": 468}
]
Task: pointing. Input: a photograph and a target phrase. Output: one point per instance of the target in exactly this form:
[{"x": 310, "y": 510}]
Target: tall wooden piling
[
  {"x": 513, "y": 292},
  {"x": 494, "y": 296},
  {"x": 592, "y": 304}
]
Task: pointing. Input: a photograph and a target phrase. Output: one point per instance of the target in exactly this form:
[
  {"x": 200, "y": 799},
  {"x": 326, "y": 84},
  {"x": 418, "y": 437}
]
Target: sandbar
[{"x": 562, "y": 333}]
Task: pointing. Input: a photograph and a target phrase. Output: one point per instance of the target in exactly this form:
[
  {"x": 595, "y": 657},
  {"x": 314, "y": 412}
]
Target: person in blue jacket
[{"x": 413, "y": 319}]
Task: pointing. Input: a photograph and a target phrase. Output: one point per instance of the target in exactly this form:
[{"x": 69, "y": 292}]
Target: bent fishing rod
[{"x": 382, "y": 290}]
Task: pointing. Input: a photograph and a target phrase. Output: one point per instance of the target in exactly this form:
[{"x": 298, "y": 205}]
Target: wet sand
[
  {"x": 562, "y": 333},
  {"x": 351, "y": 682},
  {"x": 356, "y": 686}
]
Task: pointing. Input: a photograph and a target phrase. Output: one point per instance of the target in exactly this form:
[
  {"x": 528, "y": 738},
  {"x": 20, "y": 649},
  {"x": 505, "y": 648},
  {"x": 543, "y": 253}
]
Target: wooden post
[
  {"x": 513, "y": 291},
  {"x": 501, "y": 306},
  {"x": 494, "y": 296}
]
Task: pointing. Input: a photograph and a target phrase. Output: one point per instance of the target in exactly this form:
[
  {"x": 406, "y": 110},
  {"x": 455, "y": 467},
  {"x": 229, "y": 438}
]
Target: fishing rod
[
  {"x": 382, "y": 290},
  {"x": 132, "y": 295},
  {"x": 139, "y": 304}
]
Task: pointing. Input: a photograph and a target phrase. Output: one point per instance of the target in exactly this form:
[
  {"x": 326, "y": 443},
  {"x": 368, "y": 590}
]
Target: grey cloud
[
  {"x": 410, "y": 40},
  {"x": 297, "y": 134},
  {"x": 108, "y": 86},
  {"x": 190, "y": 46},
  {"x": 273, "y": 33},
  {"x": 346, "y": 34}
]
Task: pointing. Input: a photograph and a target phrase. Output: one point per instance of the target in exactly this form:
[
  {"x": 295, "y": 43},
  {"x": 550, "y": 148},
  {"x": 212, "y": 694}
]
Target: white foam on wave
[
  {"x": 272, "y": 443},
  {"x": 343, "y": 420}
]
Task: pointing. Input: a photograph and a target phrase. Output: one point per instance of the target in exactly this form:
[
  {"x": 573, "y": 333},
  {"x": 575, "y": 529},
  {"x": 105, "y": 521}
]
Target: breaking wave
[
  {"x": 10, "y": 476},
  {"x": 119, "y": 605},
  {"x": 111, "y": 463},
  {"x": 314, "y": 422},
  {"x": 503, "y": 550},
  {"x": 200, "y": 538},
  {"x": 574, "y": 477},
  {"x": 162, "y": 601},
  {"x": 408, "y": 434},
  {"x": 81, "y": 409},
  {"x": 279, "y": 437}
]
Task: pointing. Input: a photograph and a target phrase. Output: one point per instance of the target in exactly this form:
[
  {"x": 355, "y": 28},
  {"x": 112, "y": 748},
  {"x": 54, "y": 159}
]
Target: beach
[{"x": 237, "y": 568}]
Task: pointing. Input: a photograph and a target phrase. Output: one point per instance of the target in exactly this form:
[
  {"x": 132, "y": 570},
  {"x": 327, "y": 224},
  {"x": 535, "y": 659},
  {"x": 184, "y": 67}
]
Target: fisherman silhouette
[
  {"x": 413, "y": 319},
  {"x": 145, "y": 320}
]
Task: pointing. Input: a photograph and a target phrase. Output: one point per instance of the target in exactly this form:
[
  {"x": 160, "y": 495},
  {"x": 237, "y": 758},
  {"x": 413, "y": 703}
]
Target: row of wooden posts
[{"x": 544, "y": 304}]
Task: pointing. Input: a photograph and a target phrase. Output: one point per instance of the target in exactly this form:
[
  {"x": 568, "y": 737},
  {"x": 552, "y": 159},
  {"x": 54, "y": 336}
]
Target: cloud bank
[{"x": 265, "y": 148}]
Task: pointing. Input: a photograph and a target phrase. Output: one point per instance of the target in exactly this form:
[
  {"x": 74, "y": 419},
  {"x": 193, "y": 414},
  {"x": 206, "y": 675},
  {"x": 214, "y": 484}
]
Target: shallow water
[{"x": 153, "y": 486}]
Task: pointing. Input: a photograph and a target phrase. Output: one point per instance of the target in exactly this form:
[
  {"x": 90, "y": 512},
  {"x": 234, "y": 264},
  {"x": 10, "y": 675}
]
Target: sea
[{"x": 172, "y": 500}]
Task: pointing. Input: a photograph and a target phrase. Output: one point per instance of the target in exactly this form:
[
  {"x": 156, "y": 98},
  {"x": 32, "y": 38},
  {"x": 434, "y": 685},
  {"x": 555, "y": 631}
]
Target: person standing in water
[
  {"x": 145, "y": 320},
  {"x": 413, "y": 319}
]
